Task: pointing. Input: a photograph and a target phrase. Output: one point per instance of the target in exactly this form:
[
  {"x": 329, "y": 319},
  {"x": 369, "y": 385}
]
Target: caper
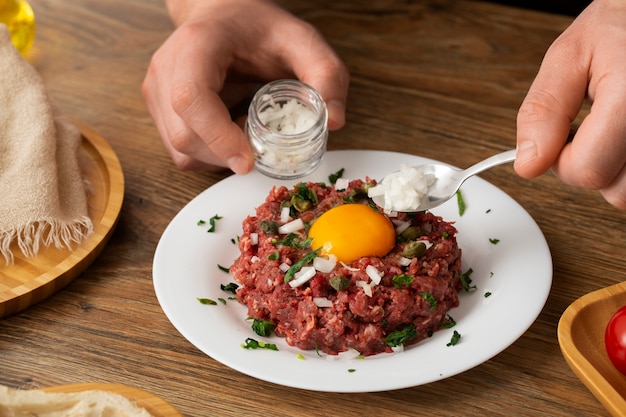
[
  {"x": 339, "y": 282},
  {"x": 414, "y": 249},
  {"x": 410, "y": 233},
  {"x": 269, "y": 227},
  {"x": 300, "y": 204}
]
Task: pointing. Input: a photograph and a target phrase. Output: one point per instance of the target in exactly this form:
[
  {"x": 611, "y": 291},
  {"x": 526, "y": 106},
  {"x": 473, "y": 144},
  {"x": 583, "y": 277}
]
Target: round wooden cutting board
[
  {"x": 30, "y": 280},
  {"x": 153, "y": 404}
]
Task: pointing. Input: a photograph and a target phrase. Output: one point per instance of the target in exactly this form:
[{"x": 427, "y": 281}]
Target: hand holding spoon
[{"x": 427, "y": 186}]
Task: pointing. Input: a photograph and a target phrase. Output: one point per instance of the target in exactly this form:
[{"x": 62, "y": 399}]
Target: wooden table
[{"x": 440, "y": 78}]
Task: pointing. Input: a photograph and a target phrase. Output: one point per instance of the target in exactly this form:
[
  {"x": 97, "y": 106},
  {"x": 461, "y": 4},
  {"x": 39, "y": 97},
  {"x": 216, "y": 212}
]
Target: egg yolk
[{"x": 351, "y": 231}]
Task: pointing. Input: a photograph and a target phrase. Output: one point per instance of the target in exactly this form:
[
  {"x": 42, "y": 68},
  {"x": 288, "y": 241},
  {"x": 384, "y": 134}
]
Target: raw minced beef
[{"x": 413, "y": 308}]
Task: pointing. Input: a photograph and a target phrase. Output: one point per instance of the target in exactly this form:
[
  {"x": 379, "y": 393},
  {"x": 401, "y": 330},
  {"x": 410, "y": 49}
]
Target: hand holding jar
[{"x": 218, "y": 52}]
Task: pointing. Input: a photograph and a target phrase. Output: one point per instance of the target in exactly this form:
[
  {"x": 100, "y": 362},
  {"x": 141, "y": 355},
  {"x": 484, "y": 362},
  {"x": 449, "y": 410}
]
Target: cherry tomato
[{"x": 615, "y": 339}]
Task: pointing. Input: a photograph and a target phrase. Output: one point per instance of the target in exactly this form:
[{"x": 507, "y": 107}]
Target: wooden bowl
[{"x": 581, "y": 337}]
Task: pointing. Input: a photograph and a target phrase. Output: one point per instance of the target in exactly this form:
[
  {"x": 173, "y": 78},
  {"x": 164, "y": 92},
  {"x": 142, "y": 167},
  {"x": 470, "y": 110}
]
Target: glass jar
[
  {"x": 19, "y": 18},
  {"x": 287, "y": 128}
]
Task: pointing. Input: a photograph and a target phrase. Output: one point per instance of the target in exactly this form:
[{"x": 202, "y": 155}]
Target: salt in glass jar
[{"x": 287, "y": 128}]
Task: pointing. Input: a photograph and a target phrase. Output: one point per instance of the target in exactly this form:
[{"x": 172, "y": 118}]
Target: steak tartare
[{"x": 372, "y": 304}]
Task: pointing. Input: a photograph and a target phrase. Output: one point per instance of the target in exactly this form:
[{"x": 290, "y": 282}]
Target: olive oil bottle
[{"x": 18, "y": 16}]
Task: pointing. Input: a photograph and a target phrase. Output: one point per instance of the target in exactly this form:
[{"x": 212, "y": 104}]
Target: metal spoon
[{"x": 448, "y": 180}]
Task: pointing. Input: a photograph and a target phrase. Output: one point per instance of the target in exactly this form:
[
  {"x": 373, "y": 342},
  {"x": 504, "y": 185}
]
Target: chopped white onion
[
  {"x": 398, "y": 349},
  {"x": 367, "y": 289},
  {"x": 351, "y": 353},
  {"x": 401, "y": 225},
  {"x": 302, "y": 276},
  {"x": 292, "y": 226},
  {"x": 405, "y": 189},
  {"x": 284, "y": 267},
  {"x": 404, "y": 261},
  {"x": 342, "y": 183},
  {"x": 374, "y": 274},
  {"x": 284, "y": 215},
  {"x": 254, "y": 259},
  {"x": 254, "y": 239},
  {"x": 325, "y": 265},
  {"x": 322, "y": 302}
]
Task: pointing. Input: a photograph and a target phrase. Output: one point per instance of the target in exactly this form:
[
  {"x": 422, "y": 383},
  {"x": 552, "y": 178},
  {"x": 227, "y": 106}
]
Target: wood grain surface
[{"x": 441, "y": 79}]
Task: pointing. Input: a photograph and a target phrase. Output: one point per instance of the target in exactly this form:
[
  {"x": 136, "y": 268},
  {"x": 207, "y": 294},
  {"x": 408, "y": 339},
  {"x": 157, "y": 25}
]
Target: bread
[{"x": 92, "y": 403}]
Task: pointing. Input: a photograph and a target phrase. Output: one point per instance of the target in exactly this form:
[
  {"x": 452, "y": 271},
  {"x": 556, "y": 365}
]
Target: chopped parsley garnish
[
  {"x": 461, "y": 202},
  {"x": 232, "y": 287},
  {"x": 223, "y": 268},
  {"x": 263, "y": 327},
  {"x": 300, "y": 356},
  {"x": 402, "y": 280},
  {"x": 351, "y": 370},
  {"x": 487, "y": 294},
  {"x": 302, "y": 262},
  {"x": 332, "y": 178},
  {"x": 201, "y": 222},
  {"x": 293, "y": 240},
  {"x": 274, "y": 256},
  {"x": 466, "y": 280},
  {"x": 456, "y": 336},
  {"x": 212, "y": 221},
  {"x": 221, "y": 300},
  {"x": 494, "y": 241},
  {"x": 207, "y": 301},
  {"x": 398, "y": 337},
  {"x": 250, "y": 343},
  {"x": 448, "y": 322},
  {"x": 431, "y": 300}
]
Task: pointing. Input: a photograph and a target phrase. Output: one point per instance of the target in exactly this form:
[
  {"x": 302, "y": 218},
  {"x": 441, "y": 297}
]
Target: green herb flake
[
  {"x": 461, "y": 202},
  {"x": 402, "y": 280},
  {"x": 448, "y": 322},
  {"x": 221, "y": 300},
  {"x": 351, "y": 370},
  {"x": 223, "y": 268},
  {"x": 466, "y": 280},
  {"x": 207, "y": 301},
  {"x": 232, "y": 287},
  {"x": 201, "y": 222},
  {"x": 431, "y": 300},
  {"x": 398, "y": 337},
  {"x": 300, "y": 356},
  {"x": 302, "y": 262},
  {"x": 494, "y": 241},
  {"x": 263, "y": 327},
  {"x": 212, "y": 221},
  {"x": 250, "y": 343},
  {"x": 456, "y": 336},
  {"x": 332, "y": 178},
  {"x": 274, "y": 256}
]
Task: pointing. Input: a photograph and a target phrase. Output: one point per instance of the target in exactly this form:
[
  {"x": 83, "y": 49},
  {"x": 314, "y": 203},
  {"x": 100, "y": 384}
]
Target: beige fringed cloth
[{"x": 43, "y": 199}]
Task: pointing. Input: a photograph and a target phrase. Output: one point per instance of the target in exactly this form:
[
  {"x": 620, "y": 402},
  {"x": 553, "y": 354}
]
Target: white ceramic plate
[{"x": 517, "y": 271}]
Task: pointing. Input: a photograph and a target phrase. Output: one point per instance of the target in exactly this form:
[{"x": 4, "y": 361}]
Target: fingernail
[
  {"x": 526, "y": 152},
  {"x": 239, "y": 164},
  {"x": 336, "y": 114}
]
